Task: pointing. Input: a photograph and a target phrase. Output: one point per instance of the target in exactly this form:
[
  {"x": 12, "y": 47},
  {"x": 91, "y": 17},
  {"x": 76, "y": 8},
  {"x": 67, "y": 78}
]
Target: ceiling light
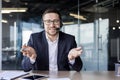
[
  {"x": 119, "y": 27},
  {"x": 78, "y": 16},
  {"x": 117, "y": 21},
  {"x": 113, "y": 28},
  {"x": 7, "y": 0},
  {"x": 9, "y": 10},
  {"x": 65, "y": 23},
  {"x": 100, "y": 19},
  {"x": 4, "y": 21}
]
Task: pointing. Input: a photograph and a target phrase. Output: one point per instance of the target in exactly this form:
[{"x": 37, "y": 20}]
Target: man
[{"x": 51, "y": 49}]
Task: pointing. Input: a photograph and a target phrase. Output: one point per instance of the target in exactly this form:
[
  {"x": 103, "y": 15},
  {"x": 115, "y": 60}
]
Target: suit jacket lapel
[
  {"x": 46, "y": 50},
  {"x": 60, "y": 46}
]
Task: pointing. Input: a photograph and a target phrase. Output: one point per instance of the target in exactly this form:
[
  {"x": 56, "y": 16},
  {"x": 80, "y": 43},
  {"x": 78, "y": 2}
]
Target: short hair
[{"x": 52, "y": 10}]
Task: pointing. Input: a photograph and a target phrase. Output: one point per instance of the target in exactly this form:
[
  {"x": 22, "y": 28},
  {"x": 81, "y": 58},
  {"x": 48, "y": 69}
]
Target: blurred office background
[{"x": 94, "y": 23}]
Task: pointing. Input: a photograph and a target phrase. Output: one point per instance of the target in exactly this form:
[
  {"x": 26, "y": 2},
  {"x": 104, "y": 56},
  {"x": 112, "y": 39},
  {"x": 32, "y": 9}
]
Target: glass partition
[
  {"x": 0, "y": 37},
  {"x": 91, "y": 22}
]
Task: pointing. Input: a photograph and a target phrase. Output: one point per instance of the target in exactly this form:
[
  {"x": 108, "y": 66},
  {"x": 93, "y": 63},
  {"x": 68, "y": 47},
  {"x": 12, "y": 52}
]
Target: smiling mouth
[{"x": 53, "y": 29}]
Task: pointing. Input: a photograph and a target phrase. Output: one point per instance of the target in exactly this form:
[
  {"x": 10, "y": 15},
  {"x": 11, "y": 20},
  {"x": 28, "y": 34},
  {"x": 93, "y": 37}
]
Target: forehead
[{"x": 51, "y": 16}]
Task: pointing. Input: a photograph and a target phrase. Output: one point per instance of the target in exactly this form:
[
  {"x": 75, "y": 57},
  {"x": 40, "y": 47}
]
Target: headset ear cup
[{"x": 61, "y": 24}]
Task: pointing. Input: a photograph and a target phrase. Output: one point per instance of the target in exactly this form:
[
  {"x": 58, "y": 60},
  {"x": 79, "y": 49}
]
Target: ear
[{"x": 61, "y": 24}]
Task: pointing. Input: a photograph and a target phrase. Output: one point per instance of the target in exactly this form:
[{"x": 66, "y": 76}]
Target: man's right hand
[{"x": 29, "y": 52}]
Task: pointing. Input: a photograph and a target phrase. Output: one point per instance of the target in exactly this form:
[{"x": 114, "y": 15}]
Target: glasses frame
[{"x": 48, "y": 22}]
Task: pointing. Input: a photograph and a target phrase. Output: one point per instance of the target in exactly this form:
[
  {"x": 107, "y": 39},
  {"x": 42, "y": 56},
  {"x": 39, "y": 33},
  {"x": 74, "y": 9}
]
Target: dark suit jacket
[{"x": 39, "y": 43}]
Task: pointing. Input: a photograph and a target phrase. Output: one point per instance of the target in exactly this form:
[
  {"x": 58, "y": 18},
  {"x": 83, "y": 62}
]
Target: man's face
[{"x": 51, "y": 23}]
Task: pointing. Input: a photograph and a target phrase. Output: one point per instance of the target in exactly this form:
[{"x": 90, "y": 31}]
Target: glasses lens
[{"x": 50, "y": 21}]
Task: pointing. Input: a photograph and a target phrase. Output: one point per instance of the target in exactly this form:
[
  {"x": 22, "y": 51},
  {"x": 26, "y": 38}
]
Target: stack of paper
[
  {"x": 58, "y": 79},
  {"x": 8, "y": 75}
]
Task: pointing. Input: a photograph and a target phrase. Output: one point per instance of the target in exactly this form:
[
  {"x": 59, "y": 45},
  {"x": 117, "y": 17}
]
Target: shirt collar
[{"x": 50, "y": 40}]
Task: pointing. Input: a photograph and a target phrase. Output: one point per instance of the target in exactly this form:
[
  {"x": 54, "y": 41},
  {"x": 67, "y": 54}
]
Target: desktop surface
[{"x": 73, "y": 75}]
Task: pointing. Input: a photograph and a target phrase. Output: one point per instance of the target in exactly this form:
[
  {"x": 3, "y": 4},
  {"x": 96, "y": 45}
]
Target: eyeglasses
[{"x": 48, "y": 22}]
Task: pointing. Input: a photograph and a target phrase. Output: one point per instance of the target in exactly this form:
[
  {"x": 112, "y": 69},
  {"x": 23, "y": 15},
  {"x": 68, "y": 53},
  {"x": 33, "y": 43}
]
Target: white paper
[
  {"x": 58, "y": 79},
  {"x": 8, "y": 75}
]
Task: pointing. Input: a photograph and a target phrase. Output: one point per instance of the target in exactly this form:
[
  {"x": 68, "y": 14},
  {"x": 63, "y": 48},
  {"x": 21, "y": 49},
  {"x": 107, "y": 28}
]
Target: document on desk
[
  {"x": 58, "y": 79},
  {"x": 10, "y": 75}
]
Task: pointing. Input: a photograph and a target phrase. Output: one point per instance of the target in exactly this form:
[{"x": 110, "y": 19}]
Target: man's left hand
[{"x": 75, "y": 52}]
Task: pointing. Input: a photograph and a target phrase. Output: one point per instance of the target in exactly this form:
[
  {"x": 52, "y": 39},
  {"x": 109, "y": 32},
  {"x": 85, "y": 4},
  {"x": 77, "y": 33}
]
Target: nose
[{"x": 52, "y": 23}]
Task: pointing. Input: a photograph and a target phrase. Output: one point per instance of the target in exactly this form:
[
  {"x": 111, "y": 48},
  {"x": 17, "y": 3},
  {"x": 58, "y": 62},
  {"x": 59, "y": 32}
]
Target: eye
[
  {"x": 56, "y": 21},
  {"x": 48, "y": 21}
]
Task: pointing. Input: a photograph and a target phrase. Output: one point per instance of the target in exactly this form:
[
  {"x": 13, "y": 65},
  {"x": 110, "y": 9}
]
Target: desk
[
  {"x": 83, "y": 75},
  {"x": 73, "y": 75}
]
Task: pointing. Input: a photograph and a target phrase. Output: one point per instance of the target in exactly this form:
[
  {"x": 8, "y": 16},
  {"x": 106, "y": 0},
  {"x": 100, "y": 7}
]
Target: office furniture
[{"x": 83, "y": 75}]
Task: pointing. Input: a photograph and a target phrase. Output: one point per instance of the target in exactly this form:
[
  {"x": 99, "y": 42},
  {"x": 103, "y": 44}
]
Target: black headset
[{"x": 51, "y": 10}]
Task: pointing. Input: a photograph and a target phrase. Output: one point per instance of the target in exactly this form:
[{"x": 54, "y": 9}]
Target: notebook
[
  {"x": 11, "y": 75},
  {"x": 58, "y": 79}
]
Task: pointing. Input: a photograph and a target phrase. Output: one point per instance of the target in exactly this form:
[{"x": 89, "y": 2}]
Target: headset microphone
[{"x": 58, "y": 29}]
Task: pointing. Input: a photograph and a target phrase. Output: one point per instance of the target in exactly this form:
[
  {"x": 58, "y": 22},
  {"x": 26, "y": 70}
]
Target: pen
[
  {"x": 19, "y": 76},
  {"x": 23, "y": 49}
]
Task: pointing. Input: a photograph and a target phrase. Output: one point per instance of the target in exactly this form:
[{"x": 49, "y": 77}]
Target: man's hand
[
  {"x": 29, "y": 52},
  {"x": 75, "y": 52}
]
